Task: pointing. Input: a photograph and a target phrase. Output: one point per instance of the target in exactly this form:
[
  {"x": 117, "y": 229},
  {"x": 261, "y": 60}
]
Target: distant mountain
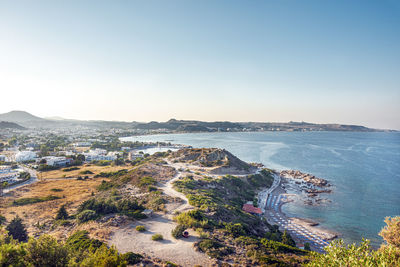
[
  {"x": 10, "y": 125},
  {"x": 19, "y": 117},
  {"x": 55, "y": 118},
  {"x": 28, "y": 120}
]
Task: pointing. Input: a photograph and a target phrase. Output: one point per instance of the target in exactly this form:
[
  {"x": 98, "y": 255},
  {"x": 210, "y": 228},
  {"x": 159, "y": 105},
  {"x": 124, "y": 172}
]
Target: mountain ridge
[{"x": 28, "y": 120}]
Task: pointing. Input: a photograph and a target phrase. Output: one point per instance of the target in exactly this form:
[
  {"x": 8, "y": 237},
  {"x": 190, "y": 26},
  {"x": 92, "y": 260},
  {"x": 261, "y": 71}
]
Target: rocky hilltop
[{"x": 218, "y": 160}]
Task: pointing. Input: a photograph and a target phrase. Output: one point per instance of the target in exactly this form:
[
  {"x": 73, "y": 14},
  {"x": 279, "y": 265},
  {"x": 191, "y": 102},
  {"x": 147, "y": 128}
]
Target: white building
[
  {"x": 133, "y": 155},
  {"x": 25, "y": 156},
  {"x": 98, "y": 154},
  {"x": 57, "y": 161},
  {"x": 7, "y": 174}
]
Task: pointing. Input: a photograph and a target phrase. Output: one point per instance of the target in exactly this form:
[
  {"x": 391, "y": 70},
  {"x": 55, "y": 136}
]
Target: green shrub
[
  {"x": 80, "y": 241},
  {"x": 282, "y": 248},
  {"x": 70, "y": 169},
  {"x": 86, "y": 215},
  {"x": 32, "y": 200},
  {"x": 140, "y": 228},
  {"x": 102, "y": 162},
  {"x": 157, "y": 237},
  {"x": 177, "y": 232},
  {"x": 86, "y": 172},
  {"x": 46, "y": 251},
  {"x": 339, "y": 254},
  {"x": 56, "y": 190},
  {"x": 146, "y": 181},
  {"x": 213, "y": 248},
  {"x": 17, "y": 230},
  {"x": 170, "y": 264},
  {"x": 62, "y": 213},
  {"x": 235, "y": 230},
  {"x": 132, "y": 258},
  {"x": 2, "y": 219},
  {"x": 104, "y": 186},
  {"x": 104, "y": 256}
]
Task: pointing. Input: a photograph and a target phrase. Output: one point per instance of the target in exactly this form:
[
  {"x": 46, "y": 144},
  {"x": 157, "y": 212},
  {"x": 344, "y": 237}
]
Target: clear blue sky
[{"x": 317, "y": 61}]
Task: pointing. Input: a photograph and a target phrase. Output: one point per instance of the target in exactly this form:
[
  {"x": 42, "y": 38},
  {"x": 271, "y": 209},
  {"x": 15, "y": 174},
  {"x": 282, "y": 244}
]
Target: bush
[
  {"x": 17, "y": 230},
  {"x": 46, "y": 251},
  {"x": 104, "y": 186},
  {"x": 140, "y": 228},
  {"x": 70, "y": 169},
  {"x": 157, "y": 237},
  {"x": 235, "y": 230},
  {"x": 132, "y": 258},
  {"x": 391, "y": 232},
  {"x": 62, "y": 213},
  {"x": 104, "y": 256},
  {"x": 80, "y": 241},
  {"x": 339, "y": 254},
  {"x": 2, "y": 219},
  {"x": 102, "y": 162},
  {"x": 56, "y": 190},
  {"x": 282, "y": 248},
  {"x": 32, "y": 200},
  {"x": 193, "y": 218},
  {"x": 177, "y": 232},
  {"x": 86, "y": 172},
  {"x": 86, "y": 215},
  {"x": 213, "y": 248}
]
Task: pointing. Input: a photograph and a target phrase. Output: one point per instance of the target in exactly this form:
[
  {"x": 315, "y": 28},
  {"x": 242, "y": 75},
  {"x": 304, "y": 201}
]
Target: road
[{"x": 32, "y": 180}]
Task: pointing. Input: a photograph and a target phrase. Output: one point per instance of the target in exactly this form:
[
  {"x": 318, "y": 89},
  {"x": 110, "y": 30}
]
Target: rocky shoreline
[
  {"x": 306, "y": 177},
  {"x": 307, "y": 186}
]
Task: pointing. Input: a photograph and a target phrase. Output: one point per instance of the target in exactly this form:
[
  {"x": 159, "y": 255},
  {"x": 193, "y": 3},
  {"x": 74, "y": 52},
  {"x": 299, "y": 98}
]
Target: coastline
[{"x": 302, "y": 230}]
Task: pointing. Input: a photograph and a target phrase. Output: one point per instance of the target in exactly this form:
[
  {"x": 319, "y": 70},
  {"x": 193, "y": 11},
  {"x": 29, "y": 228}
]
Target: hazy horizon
[{"x": 313, "y": 61}]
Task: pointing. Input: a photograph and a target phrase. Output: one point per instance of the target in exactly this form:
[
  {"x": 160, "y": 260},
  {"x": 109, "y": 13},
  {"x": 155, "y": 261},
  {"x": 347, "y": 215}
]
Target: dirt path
[{"x": 179, "y": 251}]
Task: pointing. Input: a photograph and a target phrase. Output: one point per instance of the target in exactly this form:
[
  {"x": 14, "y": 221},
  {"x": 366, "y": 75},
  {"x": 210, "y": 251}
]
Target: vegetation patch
[
  {"x": 70, "y": 169},
  {"x": 32, "y": 200},
  {"x": 140, "y": 228},
  {"x": 157, "y": 237}
]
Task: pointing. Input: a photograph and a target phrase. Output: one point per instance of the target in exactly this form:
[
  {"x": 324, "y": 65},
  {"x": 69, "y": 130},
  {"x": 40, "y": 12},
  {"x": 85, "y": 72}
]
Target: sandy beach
[{"x": 301, "y": 229}]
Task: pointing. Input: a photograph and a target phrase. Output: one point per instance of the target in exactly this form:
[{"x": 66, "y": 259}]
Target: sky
[{"x": 314, "y": 61}]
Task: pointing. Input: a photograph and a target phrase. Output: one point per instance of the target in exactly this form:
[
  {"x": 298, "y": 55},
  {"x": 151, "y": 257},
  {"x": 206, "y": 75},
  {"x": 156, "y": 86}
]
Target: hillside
[
  {"x": 215, "y": 159},
  {"x": 10, "y": 125},
  {"x": 20, "y": 117}
]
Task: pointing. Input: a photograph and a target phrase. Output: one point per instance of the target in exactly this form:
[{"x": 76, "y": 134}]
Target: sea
[{"x": 363, "y": 167}]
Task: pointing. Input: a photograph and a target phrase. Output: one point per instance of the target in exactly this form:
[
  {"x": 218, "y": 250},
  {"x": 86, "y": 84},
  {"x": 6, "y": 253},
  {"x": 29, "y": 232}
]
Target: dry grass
[
  {"x": 73, "y": 194},
  {"x": 87, "y": 167}
]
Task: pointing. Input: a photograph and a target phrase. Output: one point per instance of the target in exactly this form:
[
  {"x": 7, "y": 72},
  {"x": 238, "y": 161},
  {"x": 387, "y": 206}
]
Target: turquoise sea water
[{"x": 363, "y": 167}]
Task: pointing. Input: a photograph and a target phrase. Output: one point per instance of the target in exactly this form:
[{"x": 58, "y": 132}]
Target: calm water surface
[{"x": 363, "y": 167}]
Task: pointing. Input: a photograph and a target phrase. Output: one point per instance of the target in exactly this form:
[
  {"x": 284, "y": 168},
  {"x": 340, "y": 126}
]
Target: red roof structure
[{"x": 251, "y": 209}]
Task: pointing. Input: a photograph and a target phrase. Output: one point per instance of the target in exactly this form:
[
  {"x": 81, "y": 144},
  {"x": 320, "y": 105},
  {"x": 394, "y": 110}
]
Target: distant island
[{"x": 27, "y": 120}]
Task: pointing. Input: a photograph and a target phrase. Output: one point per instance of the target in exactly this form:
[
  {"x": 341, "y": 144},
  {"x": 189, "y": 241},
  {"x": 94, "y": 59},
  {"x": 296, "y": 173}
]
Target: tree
[
  {"x": 80, "y": 158},
  {"x": 338, "y": 254},
  {"x": 391, "y": 232},
  {"x": 287, "y": 239},
  {"x": 307, "y": 246},
  {"x": 62, "y": 213},
  {"x": 17, "y": 230},
  {"x": 46, "y": 251}
]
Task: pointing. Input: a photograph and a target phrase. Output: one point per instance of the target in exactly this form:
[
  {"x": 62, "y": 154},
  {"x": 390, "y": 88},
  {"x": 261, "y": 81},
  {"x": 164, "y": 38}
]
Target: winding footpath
[{"x": 179, "y": 251}]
